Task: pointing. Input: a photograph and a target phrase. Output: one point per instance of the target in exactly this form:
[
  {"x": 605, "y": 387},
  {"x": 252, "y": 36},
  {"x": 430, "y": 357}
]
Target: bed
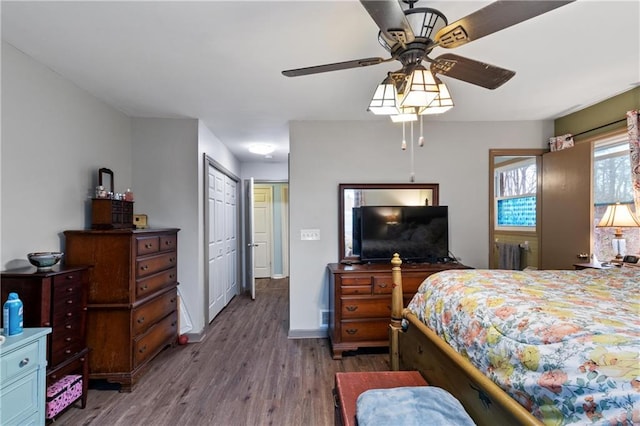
[{"x": 526, "y": 347}]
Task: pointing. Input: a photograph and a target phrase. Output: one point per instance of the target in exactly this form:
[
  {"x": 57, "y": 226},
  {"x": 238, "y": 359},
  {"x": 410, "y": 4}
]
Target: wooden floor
[{"x": 245, "y": 372}]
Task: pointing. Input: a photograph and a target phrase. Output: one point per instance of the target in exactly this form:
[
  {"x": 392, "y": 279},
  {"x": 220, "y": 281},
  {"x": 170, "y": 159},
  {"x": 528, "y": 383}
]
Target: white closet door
[
  {"x": 231, "y": 239},
  {"x": 217, "y": 251}
]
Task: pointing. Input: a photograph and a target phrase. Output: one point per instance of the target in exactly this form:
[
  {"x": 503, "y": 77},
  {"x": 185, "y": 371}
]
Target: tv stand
[{"x": 360, "y": 301}]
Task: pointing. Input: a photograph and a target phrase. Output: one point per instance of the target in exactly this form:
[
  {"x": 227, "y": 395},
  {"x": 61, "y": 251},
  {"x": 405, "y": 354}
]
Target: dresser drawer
[
  {"x": 158, "y": 336},
  {"x": 370, "y": 307},
  {"x": 72, "y": 280},
  {"x": 147, "y": 245},
  {"x": 364, "y": 330},
  {"x": 356, "y": 289},
  {"x": 148, "y": 314},
  {"x": 168, "y": 242},
  {"x": 21, "y": 361},
  {"x": 151, "y": 265},
  {"x": 150, "y": 285},
  {"x": 65, "y": 342},
  {"x": 355, "y": 279}
]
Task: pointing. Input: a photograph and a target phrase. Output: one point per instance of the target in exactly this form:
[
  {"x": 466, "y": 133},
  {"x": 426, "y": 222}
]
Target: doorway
[{"x": 271, "y": 229}]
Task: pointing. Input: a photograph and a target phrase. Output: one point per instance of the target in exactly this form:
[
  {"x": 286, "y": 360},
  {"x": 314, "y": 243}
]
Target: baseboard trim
[
  {"x": 308, "y": 334},
  {"x": 196, "y": 337}
]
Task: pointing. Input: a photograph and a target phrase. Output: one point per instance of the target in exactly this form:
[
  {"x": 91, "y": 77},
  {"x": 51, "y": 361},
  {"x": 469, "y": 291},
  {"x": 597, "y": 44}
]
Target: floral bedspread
[{"x": 565, "y": 344}]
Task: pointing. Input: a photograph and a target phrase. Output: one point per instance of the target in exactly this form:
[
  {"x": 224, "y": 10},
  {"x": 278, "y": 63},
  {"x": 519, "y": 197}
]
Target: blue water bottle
[{"x": 12, "y": 315}]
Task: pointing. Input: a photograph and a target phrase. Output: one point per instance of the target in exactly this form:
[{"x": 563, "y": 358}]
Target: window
[
  {"x": 515, "y": 188},
  {"x": 611, "y": 184}
]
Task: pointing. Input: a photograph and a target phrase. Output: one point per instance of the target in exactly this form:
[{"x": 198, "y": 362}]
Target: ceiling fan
[{"x": 410, "y": 35}]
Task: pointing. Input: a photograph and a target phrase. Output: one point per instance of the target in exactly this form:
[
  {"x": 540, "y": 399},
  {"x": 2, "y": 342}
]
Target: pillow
[{"x": 409, "y": 406}]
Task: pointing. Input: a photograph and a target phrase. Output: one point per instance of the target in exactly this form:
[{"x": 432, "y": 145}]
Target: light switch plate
[{"x": 309, "y": 234}]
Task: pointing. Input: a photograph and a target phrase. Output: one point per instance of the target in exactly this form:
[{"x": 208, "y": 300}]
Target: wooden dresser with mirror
[{"x": 360, "y": 293}]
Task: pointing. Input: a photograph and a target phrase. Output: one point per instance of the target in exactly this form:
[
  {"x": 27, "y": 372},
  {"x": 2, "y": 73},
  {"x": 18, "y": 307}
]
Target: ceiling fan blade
[
  {"x": 335, "y": 66},
  {"x": 492, "y": 18},
  {"x": 389, "y": 17},
  {"x": 471, "y": 71}
]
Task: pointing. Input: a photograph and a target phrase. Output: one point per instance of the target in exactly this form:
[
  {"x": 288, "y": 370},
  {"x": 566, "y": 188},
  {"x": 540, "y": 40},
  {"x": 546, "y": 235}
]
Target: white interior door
[
  {"x": 231, "y": 239},
  {"x": 216, "y": 240},
  {"x": 262, "y": 230},
  {"x": 251, "y": 279}
]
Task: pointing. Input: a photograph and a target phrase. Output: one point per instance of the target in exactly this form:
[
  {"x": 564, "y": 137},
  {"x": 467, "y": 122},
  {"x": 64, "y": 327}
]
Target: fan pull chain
[
  {"x": 412, "y": 178},
  {"x": 421, "y": 138},
  {"x": 404, "y": 140}
]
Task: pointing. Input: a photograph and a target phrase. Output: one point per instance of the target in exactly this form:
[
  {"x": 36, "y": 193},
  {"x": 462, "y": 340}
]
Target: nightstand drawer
[
  {"x": 19, "y": 362},
  {"x": 150, "y": 285},
  {"x": 356, "y": 289},
  {"x": 20, "y": 402}
]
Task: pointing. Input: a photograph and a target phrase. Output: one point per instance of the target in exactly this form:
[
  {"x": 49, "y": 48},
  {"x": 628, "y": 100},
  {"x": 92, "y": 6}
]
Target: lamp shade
[
  {"x": 441, "y": 103},
  {"x": 385, "y": 98},
  {"x": 618, "y": 216},
  {"x": 421, "y": 88}
]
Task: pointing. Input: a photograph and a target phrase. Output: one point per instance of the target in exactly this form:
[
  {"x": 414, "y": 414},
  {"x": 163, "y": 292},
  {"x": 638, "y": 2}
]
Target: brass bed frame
[{"x": 419, "y": 348}]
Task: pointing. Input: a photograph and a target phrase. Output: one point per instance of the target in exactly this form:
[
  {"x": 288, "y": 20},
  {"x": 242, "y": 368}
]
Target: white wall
[
  {"x": 55, "y": 137},
  {"x": 324, "y": 154}
]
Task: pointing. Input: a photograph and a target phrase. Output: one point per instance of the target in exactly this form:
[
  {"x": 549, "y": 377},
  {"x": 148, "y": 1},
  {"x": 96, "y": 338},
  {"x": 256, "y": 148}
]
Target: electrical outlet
[{"x": 309, "y": 234}]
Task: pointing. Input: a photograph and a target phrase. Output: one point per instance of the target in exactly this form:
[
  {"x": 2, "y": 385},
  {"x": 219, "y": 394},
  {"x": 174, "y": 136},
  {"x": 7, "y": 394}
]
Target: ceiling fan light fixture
[
  {"x": 385, "y": 99},
  {"x": 425, "y": 22},
  {"x": 442, "y": 102},
  {"x": 421, "y": 88}
]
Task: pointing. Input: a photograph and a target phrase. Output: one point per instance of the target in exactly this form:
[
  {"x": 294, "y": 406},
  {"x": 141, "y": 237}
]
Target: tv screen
[{"x": 416, "y": 233}]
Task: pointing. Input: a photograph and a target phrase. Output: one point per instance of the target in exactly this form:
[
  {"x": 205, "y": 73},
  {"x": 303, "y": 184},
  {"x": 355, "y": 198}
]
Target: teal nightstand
[{"x": 23, "y": 369}]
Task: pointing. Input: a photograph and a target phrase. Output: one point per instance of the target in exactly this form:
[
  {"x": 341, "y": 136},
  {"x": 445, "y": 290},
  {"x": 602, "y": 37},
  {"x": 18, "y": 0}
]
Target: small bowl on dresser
[{"x": 44, "y": 260}]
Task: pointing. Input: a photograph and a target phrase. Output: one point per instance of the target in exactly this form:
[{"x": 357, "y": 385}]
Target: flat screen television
[{"x": 416, "y": 233}]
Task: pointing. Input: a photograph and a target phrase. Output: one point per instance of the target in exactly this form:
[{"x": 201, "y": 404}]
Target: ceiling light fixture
[{"x": 261, "y": 148}]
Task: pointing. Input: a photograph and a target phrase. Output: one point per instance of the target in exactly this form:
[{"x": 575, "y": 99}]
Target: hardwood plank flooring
[{"x": 245, "y": 372}]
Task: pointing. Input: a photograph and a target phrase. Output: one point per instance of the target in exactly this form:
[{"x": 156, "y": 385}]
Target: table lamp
[{"x": 618, "y": 216}]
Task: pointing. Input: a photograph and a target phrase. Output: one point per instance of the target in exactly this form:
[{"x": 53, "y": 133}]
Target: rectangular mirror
[{"x": 376, "y": 194}]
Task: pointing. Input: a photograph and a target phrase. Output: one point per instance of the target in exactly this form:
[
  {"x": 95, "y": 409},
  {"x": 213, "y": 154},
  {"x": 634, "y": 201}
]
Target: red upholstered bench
[{"x": 350, "y": 385}]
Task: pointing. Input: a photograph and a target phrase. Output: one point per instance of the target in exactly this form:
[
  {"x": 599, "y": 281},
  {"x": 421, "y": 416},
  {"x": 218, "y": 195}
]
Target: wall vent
[{"x": 324, "y": 318}]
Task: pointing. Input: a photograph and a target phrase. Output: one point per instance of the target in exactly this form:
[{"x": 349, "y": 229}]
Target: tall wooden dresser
[
  {"x": 360, "y": 301},
  {"x": 132, "y": 304},
  {"x": 56, "y": 299}
]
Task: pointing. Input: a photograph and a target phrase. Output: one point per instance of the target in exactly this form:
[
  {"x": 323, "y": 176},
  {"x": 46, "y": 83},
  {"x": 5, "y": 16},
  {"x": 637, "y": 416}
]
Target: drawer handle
[
  {"x": 24, "y": 362},
  {"x": 68, "y": 326},
  {"x": 352, "y": 331},
  {"x": 382, "y": 285},
  {"x": 172, "y": 259},
  {"x": 54, "y": 376},
  {"x": 148, "y": 245},
  {"x": 173, "y": 324},
  {"x": 140, "y": 320},
  {"x": 172, "y": 300},
  {"x": 351, "y": 308},
  {"x": 167, "y": 243},
  {"x": 69, "y": 314},
  {"x": 144, "y": 267},
  {"x": 69, "y": 277},
  {"x": 68, "y": 339},
  {"x": 142, "y": 349},
  {"x": 68, "y": 351},
  {"x": 143, "y": 288},
  {"x": 69, "y": 289},
  {"x": 47, "y": 324},
  {"x": 172, "y": 276},
  {"x": 69, "y": 301}
]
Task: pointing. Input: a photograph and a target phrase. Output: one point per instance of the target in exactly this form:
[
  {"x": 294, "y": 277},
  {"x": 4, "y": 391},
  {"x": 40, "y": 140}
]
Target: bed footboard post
[{"x": 397, "y": 304}]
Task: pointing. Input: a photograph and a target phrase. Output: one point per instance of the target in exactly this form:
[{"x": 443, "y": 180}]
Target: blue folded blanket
[{"x": 408, "y": 406}]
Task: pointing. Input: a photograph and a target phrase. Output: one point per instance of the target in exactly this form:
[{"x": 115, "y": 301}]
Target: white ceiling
[{"x": 221, "y": 61}]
